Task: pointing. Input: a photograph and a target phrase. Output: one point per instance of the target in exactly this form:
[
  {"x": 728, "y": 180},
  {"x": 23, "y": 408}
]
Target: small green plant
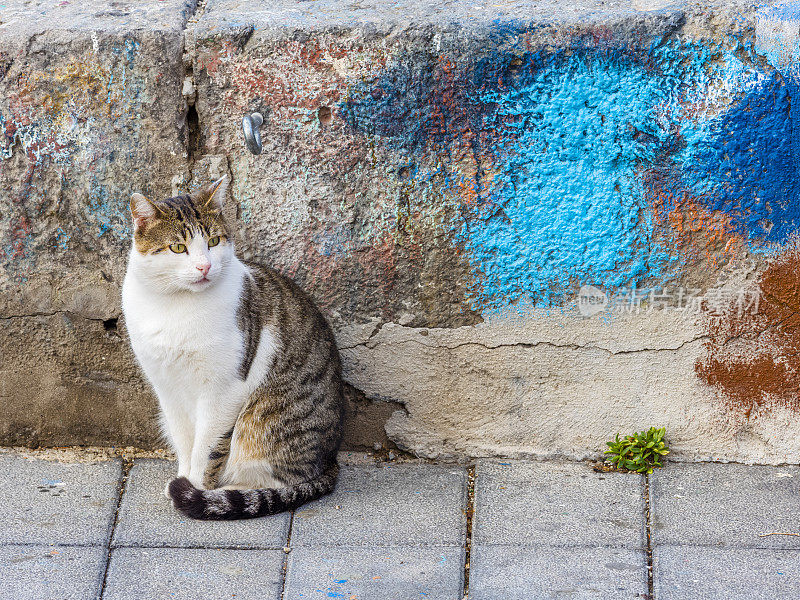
[{"x": 640, "y": 452}]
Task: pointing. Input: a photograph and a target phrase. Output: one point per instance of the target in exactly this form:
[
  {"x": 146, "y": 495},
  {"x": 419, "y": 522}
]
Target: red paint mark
[
  {"x": 297, "y": 77},
  {"x": 20, "y": 234}
]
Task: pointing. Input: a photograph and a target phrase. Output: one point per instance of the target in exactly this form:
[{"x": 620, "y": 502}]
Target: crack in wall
[
  {"x": 192, "y": 131},
  {"x": 191, "y": 118},
  {"x": 489, "y": 346},
  {"x": 54, "y": 313}
]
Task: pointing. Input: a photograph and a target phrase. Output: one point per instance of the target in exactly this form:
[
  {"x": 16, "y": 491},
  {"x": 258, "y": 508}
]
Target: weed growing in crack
[{"x": 641, "y": 452}]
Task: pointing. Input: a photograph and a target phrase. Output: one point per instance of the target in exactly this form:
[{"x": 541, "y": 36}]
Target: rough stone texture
[
  {"x": 690, "y": 573},
  {"x": 552, "y": 504},
  {"x": 515, "y": 573},
  {"x": 757, "y": 500},
  {"x": 47, "y": 502},
  {"x": 147, "y": 518},
  {"x": 401, "y": 573},
  {"x": 369, "y": 220},
  {"x": 64, "y": 572},
  {"x": 391, "y": 505},
  {"x": 90, "y": 111},
  {"x": 192, "y": 574},
  {"x": 443, "y": 178}
]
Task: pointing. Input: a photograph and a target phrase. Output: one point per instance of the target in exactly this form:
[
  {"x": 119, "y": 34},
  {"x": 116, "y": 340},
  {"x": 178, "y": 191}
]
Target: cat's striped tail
[{"x": 248, "y": 504}]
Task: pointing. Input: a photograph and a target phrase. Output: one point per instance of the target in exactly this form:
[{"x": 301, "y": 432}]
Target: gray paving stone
[
  {"x": 44, "y": 572},
  {"x": 193, "y": 574},
  {"x": 49, "y": 502},
  {"x": 148, "y": 519},
  {"x": 391, "y": 505},
  {"x": 557, "y": 504},
  {"x": 725, "y": 504},
  {"x": 706, "y": 573},
  {"x": 375, "y": 573},
  {"x": 539, "y": 573}
]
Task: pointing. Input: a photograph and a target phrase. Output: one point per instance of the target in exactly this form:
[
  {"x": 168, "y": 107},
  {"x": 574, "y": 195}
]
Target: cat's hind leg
[
  {"x": 212, "y": 424},
  {"x": 217, "y": 460}
]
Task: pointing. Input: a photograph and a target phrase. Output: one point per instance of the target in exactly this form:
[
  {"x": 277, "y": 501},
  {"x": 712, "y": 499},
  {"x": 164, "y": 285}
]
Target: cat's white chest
[
  {"x": 186, "y": 344},
  {"x": 201, "y": 343}
]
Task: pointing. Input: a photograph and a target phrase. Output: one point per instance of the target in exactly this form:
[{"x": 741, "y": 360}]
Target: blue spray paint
[
  {"x": 566, "y": 143},
  {"x": 564, "y": 204},
  {"x": 747, "y": 163}
]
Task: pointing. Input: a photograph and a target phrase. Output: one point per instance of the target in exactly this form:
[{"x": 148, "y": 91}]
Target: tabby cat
[{"x": 244, "y": 365}]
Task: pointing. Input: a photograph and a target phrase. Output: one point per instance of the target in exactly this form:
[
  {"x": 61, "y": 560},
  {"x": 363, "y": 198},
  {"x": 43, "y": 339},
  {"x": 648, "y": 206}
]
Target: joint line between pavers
[
  {"x": 286, "y": 550},
  {"x": 373, "y": 544},
  {"x": 127, "y": 465},
  {"x": 470, "y": 515},
  {"x": 648, "y": 529},
  {"x": 193, "y": 547},
  {"x": 545, "y": 546},
  {"x": 54, "y": 545},
  {"x": 719, "y": 546}
]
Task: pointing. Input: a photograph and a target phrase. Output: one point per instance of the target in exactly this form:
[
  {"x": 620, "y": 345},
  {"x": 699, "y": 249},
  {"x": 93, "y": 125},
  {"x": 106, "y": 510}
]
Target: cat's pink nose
[{"x": 203, "y": 268}]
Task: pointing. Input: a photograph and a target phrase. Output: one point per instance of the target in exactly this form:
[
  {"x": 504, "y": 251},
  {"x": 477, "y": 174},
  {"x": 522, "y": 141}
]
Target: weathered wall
[
  {"x": 444, "y": 179},
  {"x": 90, "y": 111}
]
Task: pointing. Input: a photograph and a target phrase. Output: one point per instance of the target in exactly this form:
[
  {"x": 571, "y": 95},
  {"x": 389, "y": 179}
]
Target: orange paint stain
[
  {"x": 754, "y": 358},
  {"x": 696, "y": 232}
]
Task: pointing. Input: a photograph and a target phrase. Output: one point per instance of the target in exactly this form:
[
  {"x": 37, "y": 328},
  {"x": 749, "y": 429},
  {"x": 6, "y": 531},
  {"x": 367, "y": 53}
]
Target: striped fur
[
  {"x": 224, "y": 504},
  {"x": 249, "y": 318},
  {"x": 245, "y": 366}
]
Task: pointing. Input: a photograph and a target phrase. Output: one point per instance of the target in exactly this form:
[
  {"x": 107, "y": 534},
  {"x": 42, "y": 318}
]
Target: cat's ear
[
  {"x": 214, "y": 195},
  {"x": 142, "y": 210}
]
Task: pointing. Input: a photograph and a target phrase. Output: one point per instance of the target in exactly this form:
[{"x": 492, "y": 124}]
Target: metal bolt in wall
[{"x": 252, "y": 135}]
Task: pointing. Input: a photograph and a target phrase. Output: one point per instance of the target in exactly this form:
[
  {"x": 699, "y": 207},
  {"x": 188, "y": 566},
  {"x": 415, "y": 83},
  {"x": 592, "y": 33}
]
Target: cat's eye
[
  {"x": 213, "y": 241},
  {"x": 178, "y": 248}
]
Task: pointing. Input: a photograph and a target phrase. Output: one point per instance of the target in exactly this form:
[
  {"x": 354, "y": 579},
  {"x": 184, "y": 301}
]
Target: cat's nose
[{"x": 203, "y": 268}]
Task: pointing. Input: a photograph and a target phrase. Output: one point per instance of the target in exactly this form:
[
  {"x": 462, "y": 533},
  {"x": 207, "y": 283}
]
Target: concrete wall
[{"x": 444, "y": 179}]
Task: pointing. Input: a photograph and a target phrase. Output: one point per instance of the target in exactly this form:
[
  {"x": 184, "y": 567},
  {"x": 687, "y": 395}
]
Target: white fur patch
[{"x": 248, "y": 473}]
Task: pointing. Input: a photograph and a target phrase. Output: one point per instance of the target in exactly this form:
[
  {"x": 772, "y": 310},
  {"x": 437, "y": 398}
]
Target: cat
[{"x": 244, "y": 365}]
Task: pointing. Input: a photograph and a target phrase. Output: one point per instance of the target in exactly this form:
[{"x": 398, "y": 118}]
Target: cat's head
[{"x": 181, "y": 243}]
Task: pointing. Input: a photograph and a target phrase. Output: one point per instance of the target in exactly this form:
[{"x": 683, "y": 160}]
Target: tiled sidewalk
[{"x": 399, "y": 531}]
